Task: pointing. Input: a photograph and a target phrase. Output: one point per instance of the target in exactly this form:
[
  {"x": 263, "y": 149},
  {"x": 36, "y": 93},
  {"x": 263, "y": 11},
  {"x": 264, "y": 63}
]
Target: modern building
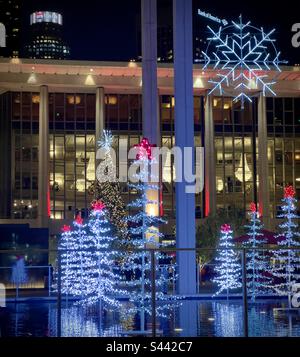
[
  {"x": 46, "y": 38},
  {"x": 51, "y": 111},
  {"x": 10, "y": 17},
  {"x": 165, "y": 48}
]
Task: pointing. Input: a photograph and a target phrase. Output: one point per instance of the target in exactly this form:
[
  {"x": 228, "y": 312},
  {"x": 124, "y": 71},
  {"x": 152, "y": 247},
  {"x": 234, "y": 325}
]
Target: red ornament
[
  {"x": 289, "y": 192},
  {"x": 66, "y": 228},
  {"x": 98, "y": 206},
  {"x": 253, "y": 207},
  {"x": 144, "y": 147},
  {"x": 79, "y": 220},
  {"x": 225, "y": 228}
]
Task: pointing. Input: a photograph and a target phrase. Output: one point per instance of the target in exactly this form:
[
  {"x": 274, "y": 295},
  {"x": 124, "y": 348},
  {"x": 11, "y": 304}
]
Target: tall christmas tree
[
  {"x": 144, "y": 233},
  {"x": 107, "y": 188},
  {"x": 229, "y": 269},
  {"x": 257, "y": 264},
  {"x": 287, "y": 260}
]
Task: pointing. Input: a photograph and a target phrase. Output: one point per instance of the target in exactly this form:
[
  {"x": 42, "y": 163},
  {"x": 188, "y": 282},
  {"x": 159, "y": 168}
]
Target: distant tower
[
  {"x": 10, "y": 17},
  {"x": 46, "y": 40}
]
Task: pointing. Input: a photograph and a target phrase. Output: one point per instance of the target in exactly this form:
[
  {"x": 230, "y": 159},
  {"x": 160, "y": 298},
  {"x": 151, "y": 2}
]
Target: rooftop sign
[
  {"x": 46, "y": 16},
  {"x": 209, "y": 16}
]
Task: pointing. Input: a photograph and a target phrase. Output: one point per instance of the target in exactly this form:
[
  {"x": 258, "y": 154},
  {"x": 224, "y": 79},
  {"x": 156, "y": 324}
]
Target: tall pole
[
  {"x": 184, "y": 137},
  {"x": 263, "y": 167},
  {"x": 149, "y": 71},
  {"x": 43, "y": 178}
]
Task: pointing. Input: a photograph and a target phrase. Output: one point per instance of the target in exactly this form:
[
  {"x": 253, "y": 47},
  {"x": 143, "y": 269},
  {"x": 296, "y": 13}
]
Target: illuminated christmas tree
[
  {"x": 77, "y": 255},
  {"x": 144, "y": 233},
  {"x": 102, "y": 278},
  {"x": 87, "y": 260},
  {"x": 287, "y": 261},
  {"x": 229, "y": 269},
  {"x": 107, "y": 188},
  {"x": 257, "y": 265}
]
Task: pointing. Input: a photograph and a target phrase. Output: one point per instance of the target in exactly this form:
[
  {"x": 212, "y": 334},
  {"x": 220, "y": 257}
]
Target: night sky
[{"x": 107, "y": 29}]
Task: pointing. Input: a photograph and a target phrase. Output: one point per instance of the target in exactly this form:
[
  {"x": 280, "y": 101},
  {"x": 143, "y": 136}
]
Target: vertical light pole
[{"x": 184, "y": 137}]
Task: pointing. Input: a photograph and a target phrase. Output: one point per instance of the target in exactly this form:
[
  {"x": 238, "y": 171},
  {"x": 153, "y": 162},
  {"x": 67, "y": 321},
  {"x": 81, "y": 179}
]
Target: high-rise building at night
[
  {"x": 165, "y": 52},
  {"x": 46, "y": 39},
  {"x": 10, "y": 11}
]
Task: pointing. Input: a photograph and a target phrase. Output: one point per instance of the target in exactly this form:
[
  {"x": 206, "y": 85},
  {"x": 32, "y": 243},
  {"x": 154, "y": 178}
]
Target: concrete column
[
  {"x": 100, "y": 112},
  {"x": 263, "y": 167},
  {"x": 210, "y": 159},
  {"x": 43, "y": 180},
  {"x": 151, "y": 128},
  {"x": 184, "y": 137}
]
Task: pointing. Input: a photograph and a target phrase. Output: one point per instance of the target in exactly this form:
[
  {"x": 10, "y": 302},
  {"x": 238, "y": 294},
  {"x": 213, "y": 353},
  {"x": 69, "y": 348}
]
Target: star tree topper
[
  {"x": 144, "y": 148},
  {"x": 98, "y": 206}
]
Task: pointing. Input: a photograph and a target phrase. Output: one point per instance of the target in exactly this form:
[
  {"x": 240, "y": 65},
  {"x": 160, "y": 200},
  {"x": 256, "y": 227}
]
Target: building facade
[
  {"x": 50, "y": 113},
  {"x": 46, "y": 40},
  {"x": 10, "y": 16}
]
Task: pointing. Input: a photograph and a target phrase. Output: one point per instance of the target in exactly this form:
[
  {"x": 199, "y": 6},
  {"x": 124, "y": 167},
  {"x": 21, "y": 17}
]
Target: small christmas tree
[
  {"x": 144, "y": 233},
  {"x": 287, "y": 261},
  {"x": 19, "y": 275},
  {"x": 229, "y": 269},
  {"x": 107, "y": 188},
  {"x": 257, "y": 265},
  {"x": 76, "y": 246},
  {"x": 102, "y": 278}
]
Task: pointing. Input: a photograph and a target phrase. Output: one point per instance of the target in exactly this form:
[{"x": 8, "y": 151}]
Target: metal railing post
[
  {"x": 58, "y": 294},
  {"x": 153, "y": 293},
  {"x": 245, "y": 297},
  {"x": 49, "y": 281}
]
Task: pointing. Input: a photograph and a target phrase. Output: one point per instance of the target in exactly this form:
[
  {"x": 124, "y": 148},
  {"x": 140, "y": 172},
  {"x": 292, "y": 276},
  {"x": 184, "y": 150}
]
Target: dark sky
[{"x": 107, "y": 29}]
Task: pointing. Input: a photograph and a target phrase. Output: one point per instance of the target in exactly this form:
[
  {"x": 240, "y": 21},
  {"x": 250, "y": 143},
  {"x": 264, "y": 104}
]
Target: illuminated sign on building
[
  {"x": 209, "y": 16},
  {"x": 46, "y": 16}
]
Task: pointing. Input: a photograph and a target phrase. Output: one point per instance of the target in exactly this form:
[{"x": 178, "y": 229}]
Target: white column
[
  {"x": 263, "y": 167},
  {"x": 151, "y": 128},
  {"x": 100, "y": 112},
  {"x": 184, "y": 137},
  {"x": 210, "y": 159},
  {"x": 43, "y": 180}
]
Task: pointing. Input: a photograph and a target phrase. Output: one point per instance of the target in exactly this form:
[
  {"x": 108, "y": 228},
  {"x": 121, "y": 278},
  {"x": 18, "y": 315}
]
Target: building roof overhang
[{"x": 26, "y": 74}]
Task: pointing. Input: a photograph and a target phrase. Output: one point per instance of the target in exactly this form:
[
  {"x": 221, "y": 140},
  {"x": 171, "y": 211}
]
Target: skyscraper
[
  {"x": 46, "y": 39},
  {"x": 10, "y": 11}
]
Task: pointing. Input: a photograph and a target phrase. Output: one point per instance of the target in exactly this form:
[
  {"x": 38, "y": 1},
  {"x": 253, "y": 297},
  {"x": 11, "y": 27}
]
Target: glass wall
[
  {"x": 236, "y": 153},
  {"x": 72, "y": 153},
  {"x": 72, "y": 149},
  {"x": 283, "y": 119}
]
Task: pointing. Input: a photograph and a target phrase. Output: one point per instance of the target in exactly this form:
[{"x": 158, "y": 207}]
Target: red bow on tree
[
  {"x": 79, "y": 220},
  {"x": 225, "y": 228},
  {"x": 98, "y": 206},
  {"x": 289, "y": 192},
  {"x": 252, "y": 207},
  {"x": 144, "y": 147},
  {"x": 66, "y": 228}
]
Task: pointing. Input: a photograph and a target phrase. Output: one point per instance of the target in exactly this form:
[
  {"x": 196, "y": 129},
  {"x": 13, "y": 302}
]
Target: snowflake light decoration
[{"x": 244, "y": 55}]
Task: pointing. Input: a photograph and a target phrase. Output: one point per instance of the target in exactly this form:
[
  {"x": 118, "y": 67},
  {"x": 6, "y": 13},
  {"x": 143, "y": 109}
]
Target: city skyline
[{"x": 93, "y": 35}]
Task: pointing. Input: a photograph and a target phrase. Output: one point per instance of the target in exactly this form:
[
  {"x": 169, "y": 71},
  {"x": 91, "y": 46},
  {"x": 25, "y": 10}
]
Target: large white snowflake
[{"x": 244, "y": 56}]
